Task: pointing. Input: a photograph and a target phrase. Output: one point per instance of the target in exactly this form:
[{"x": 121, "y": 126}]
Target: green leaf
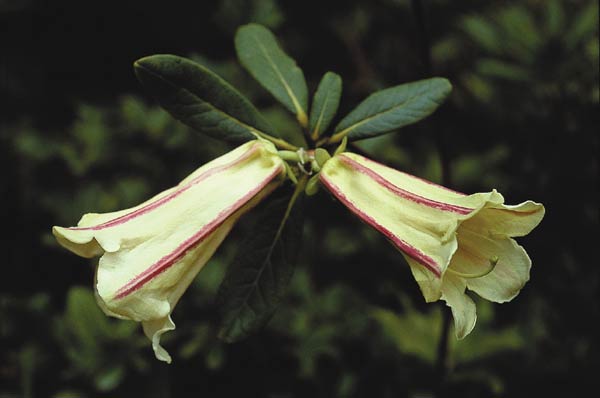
[
  {"x": 554, "y": 17},
  {"x": 109, "y": 379},
  {"x": 520, "y": 34},
  {"x": 86, "y": 322},
  {"x": 482, "y": 32},
  {"x": 257, "y": 279},
  {"x": 325, "y": 103},
  {"x": 584, "y": 25},
  {"x": 200, "y": 98},
  {"x": 392, "y": 108},
  {"x": 503, "y": 70},
  {"x": 261, "y": 55},
  {"x": 413, "y": 332}
]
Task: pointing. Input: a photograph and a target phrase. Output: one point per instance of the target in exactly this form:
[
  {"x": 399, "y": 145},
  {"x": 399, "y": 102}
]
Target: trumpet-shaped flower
[
  {"x": 152, "y": 252},
  {"x": 451, "y": 241}
]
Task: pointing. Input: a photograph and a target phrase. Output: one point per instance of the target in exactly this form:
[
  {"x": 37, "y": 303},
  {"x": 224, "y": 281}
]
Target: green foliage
[
  {"x": 325, "y": 104},
  {"x": 200, "y": 98},
  {"x": 392, "y": 108},
  {"x": 258, "y": 277},
  {"x": 86, "y": 334},
  {"x": 259, "y": 53},
  {"x": 319, "y": 321},
  {"x": 584, "y": 24},
  {"x": 515, "y": 43},
  {"x": 416, "y": 333},
  {"x": 412, "y": 332}
]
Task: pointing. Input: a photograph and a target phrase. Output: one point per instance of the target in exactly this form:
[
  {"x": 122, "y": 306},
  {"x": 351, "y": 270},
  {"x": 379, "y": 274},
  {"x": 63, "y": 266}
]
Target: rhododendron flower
[
  {"x": 451, "y": 241},
  {"x": 152, "y": 252}
]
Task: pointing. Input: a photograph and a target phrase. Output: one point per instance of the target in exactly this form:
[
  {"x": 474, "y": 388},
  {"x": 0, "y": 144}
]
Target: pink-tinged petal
[
  {"x": 449, "y": 239},
  {"x": 421, "y": 226},
  {"x": 410, "y": 250},
  {"x": 402, "y": 192},
  {"x": 96, "y": 233},
  {"x": 153, "y": 251}
]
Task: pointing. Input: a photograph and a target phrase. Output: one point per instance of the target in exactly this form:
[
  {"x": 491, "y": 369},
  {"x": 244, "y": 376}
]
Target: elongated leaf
[
  {"x": 394, "y": 107},
  {"x": 200, "y": 98},
  {"x": 502, "y": 69},
  {"x": 257, "y": 279},
  {"x": 583, "y": 25},
  {"x": 325, "y": 103},
  {"x": 482, "y": 32},
  {"x": 261, "y": 55},
  {"x": 554, "y": 17}
]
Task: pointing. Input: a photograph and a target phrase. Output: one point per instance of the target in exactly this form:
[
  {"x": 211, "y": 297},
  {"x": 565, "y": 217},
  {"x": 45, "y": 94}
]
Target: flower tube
[
  {"x": 451, "y": 241},
  {"x": 152, "y": 252}
]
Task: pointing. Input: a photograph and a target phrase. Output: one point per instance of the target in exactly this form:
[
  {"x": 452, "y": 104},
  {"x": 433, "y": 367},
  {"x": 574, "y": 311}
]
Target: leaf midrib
[
  {"x": 347, "y": 130},
  {"x": 323, "y": 108},
  {"x": 252, "y": 130},
  {"x": 288, "y": 89},
  {"x": 254, "y": 286}
]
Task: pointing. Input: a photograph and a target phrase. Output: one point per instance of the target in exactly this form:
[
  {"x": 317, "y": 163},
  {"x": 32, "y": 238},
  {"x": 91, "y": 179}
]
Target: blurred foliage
[{"x": 523, "y": 118}]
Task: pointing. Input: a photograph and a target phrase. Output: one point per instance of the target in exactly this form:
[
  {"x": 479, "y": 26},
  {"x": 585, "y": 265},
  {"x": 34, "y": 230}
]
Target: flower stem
[{"x": 299, "y": 189}]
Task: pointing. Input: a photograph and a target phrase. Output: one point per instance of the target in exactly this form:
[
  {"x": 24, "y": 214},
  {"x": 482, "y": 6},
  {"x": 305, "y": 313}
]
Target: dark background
[{"x": 78, "y": 134}]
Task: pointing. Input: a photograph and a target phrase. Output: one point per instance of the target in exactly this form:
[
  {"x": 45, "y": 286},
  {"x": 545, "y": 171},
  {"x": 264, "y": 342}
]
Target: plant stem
[{"x": 297, "y": 191}]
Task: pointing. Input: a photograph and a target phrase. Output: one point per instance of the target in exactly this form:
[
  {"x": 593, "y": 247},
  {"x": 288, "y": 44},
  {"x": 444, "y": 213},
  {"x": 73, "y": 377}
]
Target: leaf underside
[
  {"x": 259, "y": 52},
  {"x": 394, "y": 107},
  {"x": 259, "y": 275},
  {"x": 200, "y": 98}
]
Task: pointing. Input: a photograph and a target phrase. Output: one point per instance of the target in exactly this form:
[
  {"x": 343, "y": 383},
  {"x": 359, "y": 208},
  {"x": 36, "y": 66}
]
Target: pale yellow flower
[
  {"x": 450, "y": 240},
  {"x": 152, "y": 252}
]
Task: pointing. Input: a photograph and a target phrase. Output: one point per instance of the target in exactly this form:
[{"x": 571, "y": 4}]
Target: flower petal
[
  {"x": 436, "y": 228},
  {"x": 473, "y": 256},
  {"x": 420, "y": 227},
  {"x": 427, "y": 192},
  {"x": 463, "y": 308},
  {"x": 498, "y": 219},
  {"x": 154, "y": 250},
  {"x": 96, "y": 233},
  {"x": 430, "y": 284},
  {"x": 417, "y": 216},
  {"x": 154, "y": 329}
]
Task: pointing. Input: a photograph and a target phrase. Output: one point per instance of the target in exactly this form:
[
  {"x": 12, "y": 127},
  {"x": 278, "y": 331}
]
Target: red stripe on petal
[
  {"x": 402, "y": 192},
  {"x": 367, "y": 160},
  {"x": 154, "y": 205},
  {"x": 410, "y": 250},
  {"x": 170, "y": 259}
]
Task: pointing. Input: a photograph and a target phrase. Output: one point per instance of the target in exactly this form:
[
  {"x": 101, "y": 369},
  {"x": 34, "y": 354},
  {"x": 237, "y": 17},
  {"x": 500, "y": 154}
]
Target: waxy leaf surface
[
  {"x": 259, "y": 52},
  {"x": 325, "y": 103},
  {"x": 394, "y": 107},
  {"x": 200, "y": 98},
  {"x": 257, "y": 279}
]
